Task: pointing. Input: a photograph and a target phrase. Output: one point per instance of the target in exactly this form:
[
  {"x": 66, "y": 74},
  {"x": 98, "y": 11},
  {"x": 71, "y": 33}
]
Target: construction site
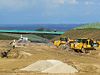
[
  {"x": 49, "y": 37},
  {"x": 29, "y": 54}
]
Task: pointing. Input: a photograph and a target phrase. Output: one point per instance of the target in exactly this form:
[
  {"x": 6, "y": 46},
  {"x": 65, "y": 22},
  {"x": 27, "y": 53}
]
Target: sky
[{"x": 49, "y": 11}]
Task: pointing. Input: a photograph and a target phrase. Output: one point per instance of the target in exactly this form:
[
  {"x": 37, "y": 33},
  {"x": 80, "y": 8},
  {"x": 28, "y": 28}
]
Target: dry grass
[{"x": 84, "y": 33}]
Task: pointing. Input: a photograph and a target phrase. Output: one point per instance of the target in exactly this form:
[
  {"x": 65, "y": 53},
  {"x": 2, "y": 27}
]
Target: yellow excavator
[
  {"x": 82, "y": 45},
  {"x": 63, "y": 42}
]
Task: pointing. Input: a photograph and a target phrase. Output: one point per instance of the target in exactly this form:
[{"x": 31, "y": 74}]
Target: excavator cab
[{"x": 63, "y": 39}]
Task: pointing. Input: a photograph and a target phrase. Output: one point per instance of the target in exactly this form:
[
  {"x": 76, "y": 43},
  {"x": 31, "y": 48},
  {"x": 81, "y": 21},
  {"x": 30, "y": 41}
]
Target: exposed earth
[
  {"x": 81, "y": 33},
  {"x": 21, "y": 57}
]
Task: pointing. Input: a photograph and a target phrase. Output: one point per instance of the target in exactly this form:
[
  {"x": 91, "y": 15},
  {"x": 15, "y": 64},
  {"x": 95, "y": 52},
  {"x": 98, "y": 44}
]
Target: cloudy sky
[{"x": 49, "y": 11}]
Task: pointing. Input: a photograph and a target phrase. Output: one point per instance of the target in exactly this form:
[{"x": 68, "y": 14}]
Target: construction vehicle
[
  {"x": 98, "y": 42},
  {"x": 63, "y": 42},
  {"x": 82, "y": 45}
]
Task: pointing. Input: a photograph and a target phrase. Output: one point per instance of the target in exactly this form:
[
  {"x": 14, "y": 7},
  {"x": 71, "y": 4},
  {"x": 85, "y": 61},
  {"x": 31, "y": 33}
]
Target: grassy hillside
[
  {"x": 32, "y": 37},
  {"x": 89, "y": 26},
  {"x": 83, "y": 33}
]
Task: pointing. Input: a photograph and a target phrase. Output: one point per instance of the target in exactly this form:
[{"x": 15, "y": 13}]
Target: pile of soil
[{"x": 50, "y": 66}]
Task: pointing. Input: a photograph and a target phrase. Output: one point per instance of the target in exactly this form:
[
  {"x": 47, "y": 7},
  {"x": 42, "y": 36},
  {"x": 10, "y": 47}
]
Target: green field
[{"x": 32, "y": 37}]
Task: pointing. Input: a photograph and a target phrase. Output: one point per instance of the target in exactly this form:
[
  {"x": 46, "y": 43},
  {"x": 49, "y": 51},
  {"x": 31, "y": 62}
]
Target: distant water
[{"x": 58, "y": 27}]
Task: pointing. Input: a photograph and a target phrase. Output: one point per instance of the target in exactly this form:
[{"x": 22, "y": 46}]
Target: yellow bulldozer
[{"x": 83, "y": 45}]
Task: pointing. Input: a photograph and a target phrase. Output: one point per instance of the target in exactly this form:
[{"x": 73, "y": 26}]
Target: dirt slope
[{"x": 83, "y": 33}]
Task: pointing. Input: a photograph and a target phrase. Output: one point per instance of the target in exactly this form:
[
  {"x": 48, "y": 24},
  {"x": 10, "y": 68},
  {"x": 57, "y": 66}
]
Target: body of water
[{"x": 57, "y": 27}]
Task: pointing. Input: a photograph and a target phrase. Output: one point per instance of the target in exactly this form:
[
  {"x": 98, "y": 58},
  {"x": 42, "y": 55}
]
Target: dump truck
[{"x": 83, "y": 45}]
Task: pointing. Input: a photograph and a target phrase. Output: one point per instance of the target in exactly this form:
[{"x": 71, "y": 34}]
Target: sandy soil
[{"x": 23, "y": 56}]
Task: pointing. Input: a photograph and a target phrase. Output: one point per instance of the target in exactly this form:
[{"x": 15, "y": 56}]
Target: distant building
[{"x": 23, "y": 39}]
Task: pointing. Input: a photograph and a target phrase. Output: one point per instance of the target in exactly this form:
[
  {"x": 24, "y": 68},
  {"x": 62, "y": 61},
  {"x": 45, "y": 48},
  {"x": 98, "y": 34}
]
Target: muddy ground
[{"x": 20, "y": 57}]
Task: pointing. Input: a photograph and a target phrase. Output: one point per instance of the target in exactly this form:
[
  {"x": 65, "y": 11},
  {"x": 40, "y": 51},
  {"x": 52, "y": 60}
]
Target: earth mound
[{"x": 50, "y": 66}]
